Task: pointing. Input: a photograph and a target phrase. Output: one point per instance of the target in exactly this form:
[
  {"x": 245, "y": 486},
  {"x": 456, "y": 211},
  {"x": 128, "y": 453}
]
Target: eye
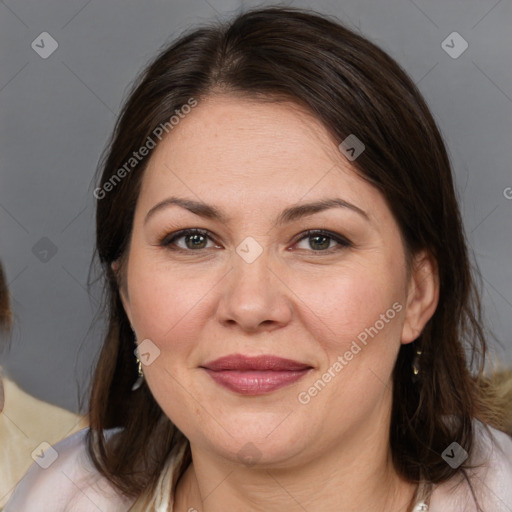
[
  {"x": 321, "y": 241},
  {"x": 196, "y": 239},
  {"x": 192, "y": 239}
]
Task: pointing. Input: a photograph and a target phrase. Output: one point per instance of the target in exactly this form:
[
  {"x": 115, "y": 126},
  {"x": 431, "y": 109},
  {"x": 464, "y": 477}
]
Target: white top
[
  {"x": 70, "y": 482},
  {"x": 28, "y": 425}
]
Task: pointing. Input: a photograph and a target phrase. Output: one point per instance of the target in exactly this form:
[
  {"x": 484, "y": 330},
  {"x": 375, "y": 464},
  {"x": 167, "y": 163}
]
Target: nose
[{"x": 253, "y": 296}]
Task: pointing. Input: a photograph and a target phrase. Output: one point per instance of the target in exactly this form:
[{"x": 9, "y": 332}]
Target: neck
[{"x": 357, "y": 475}]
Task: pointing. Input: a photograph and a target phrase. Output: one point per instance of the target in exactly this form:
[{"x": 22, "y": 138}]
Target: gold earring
[
  {"x": 416, "y": 366},
  {"x": 140, "y": 376}
]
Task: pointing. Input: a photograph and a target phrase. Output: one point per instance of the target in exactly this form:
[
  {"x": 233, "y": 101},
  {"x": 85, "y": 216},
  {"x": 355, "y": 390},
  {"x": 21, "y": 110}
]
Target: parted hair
[{"x": 352, "y": 87}]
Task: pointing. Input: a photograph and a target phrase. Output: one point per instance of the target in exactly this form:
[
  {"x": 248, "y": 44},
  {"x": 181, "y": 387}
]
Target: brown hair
[
  {"x": 352, "y": 87},
  {"x": 5, "y": 311}
]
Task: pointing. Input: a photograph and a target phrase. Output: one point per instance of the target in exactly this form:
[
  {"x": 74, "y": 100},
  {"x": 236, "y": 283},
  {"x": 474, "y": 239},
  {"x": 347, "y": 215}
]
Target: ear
[
  {"x": 422, "y": 296},
  {"x": 123, "y": 290}
]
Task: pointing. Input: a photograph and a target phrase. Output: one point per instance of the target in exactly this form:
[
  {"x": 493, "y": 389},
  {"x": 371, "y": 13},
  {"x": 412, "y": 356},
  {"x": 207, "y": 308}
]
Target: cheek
[
  {"x": 343, "y": 305},
  {"x": 356, "y": 321},
  {"x": 168, "y": 308},
  {"x": 167, "y": 304}
]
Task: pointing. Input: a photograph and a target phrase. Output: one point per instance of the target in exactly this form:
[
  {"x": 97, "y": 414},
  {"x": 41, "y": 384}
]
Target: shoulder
[
  {"x": 490, "y": 479},
  {"x": 25, "y": 423},
  {"x": 63, "y": 479},
  {"x": 494, "y": 480},
  {"x": 38, "y": 419}
]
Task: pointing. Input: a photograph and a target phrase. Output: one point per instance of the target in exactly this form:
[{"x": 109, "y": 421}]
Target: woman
[
  {"x": 27, "y": 425},
  {"x": 279, "y": 231}
]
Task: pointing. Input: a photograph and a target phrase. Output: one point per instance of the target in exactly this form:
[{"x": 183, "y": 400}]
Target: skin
[{"x": 298, "y": 300}]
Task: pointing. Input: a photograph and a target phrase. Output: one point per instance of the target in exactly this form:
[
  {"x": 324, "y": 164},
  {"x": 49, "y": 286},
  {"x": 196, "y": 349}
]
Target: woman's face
[{"x": 253, "y": 283}]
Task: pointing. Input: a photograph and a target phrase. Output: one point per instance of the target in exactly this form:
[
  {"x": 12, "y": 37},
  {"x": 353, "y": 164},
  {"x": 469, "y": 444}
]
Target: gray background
[{"x": 57, "y": 114}]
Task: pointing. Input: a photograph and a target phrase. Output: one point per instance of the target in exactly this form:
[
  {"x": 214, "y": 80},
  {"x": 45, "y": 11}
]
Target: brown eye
[
  {"x": 319, "y": 242},
  {"x": 188, "y": 239},
  {"x": 322, "y": 241}
]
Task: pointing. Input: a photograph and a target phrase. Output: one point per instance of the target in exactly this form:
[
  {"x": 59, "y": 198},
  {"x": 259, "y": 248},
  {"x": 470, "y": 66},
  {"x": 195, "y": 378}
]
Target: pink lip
[{"x": 255, "y": 375}]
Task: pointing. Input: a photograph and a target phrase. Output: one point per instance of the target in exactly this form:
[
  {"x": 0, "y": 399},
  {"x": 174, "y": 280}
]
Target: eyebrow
[{"x": 288, "y": 215}]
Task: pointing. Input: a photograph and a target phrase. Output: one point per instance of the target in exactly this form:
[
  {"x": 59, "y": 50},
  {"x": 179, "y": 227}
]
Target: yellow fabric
[{"x": 26, "y": 422}]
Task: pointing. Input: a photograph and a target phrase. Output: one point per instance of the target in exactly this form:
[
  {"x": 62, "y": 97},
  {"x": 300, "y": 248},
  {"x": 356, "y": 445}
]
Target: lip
[
  {"x": 264, "y": 362},
  {"x": 255, "y": 375}
]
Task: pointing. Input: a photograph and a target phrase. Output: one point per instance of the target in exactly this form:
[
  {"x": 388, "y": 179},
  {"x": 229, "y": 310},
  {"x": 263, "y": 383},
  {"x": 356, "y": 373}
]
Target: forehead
[
  {"x": 254, "y": 150},
  {"x": 224, "y": 127}
]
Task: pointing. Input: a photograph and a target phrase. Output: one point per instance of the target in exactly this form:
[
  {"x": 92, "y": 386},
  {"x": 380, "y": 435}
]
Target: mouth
[{"x": 255, "y": 375}]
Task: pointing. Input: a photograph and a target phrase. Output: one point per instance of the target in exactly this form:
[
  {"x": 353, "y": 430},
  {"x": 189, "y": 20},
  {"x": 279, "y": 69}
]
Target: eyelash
[{"x": 342, "y": 242}]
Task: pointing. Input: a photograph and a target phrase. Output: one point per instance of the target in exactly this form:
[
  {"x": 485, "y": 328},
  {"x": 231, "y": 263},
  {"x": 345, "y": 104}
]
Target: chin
[{"x": 266, "y": 445}]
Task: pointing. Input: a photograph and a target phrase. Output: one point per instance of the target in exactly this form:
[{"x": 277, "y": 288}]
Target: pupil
[
  {"x": 322, "y": 242},
  {"x": 196, "y": 240},
  {"x": 325, "y": 244}
]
